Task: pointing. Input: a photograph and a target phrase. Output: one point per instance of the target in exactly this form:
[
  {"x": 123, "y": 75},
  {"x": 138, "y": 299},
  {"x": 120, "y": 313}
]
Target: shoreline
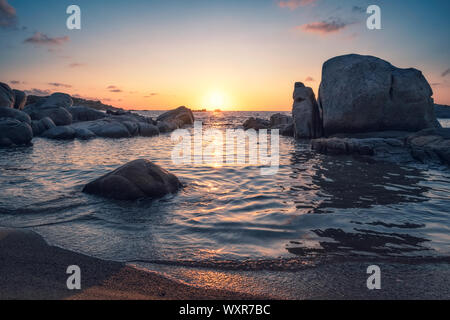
[{"x": 33, "y": 270}]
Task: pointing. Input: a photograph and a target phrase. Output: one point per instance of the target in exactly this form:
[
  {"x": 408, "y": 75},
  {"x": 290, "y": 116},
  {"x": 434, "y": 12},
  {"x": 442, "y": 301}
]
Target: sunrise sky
[{"x": 232, "y": 55}]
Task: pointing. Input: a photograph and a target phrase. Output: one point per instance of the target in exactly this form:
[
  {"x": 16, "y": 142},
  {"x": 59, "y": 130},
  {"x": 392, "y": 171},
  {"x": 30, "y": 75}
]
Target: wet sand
[{"x": 31, "y": 269}]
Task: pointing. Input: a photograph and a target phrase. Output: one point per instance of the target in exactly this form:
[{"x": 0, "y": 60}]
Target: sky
[{"x": 228, "y": 54}]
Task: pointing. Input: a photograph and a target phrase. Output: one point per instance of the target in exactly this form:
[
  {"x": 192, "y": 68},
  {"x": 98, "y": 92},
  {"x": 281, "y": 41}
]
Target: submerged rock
[
  {"x": 135, "y": 180},
  {"x": 364, "y": 93},
  {"x": 14, "y": 132},
  {"x": 305, "y": 112},
  {"x": 6, "y": 96}
]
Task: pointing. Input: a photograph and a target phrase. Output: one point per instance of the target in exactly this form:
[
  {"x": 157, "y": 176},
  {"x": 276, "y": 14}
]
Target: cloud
[
  {"x": 76, "y": 65},
  {"x": 8, "y": 16},
  {"x": 38, "y": 92},
  {"x": 309, "y": 79},
  {"x": 42, "y": 39},
  {"x": 114, "y": 89},
  {"x": 151, "y": 95},
  {"x": 15, "y": 82},
  {"x": 446, "y": 72},
  {"x": 294, "y": 4},
  {"x": 59, "y": 85},
  {"x": 323, "y": 27}
]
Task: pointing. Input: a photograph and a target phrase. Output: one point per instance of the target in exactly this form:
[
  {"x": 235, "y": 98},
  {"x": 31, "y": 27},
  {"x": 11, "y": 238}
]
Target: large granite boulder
[
  {"x": 305, "y": 113},
  {"x": 15, "y": 114},
  {"x": 135, "y": 180},
  {"x": 82, "y": 113},
  {"x": 364, "y": 93},
  {"x": 20, "y": 98},
  {"x": 54, "y": 107},
  {"x": 58, "y": 99},
  {"x": 256, "y": 124},
  {"x": 59, "y": 115},
  {"x": 14, "y": 132},
  {"x": 147, "y": 130},
  {"x": 40, "y": 126},
  {"x": 6, "y": 96},
  {"x": 180, "y": 116}
]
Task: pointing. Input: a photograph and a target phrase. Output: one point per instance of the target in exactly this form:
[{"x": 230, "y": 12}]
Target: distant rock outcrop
[
  {"x": 256, "y": 124},
  {"x": 135, "y": 180},
  {"x": 305, "y": 112},
  {"x": 364, "y": 93},
  {"x": 442, "y": 111}
]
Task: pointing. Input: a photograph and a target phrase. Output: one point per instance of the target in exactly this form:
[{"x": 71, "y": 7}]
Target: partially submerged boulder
[
  {"x": 14, "y": 132},
  {"x": 148, "y": 130},
  {"x": 180, "y": 117},
  {"x": 6, "y": 96},
  {"x": 364, "y": 93},
  {"x": 135, "y": 180},
  {"x": 430, "y": 144},
  {"x": 256, "y": 124},
  {"x": 305, "y": 112},
  {"x": 60, "y": 133}
]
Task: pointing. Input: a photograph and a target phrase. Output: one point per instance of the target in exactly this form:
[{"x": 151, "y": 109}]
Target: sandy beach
[{"x": 31, "y": 269}]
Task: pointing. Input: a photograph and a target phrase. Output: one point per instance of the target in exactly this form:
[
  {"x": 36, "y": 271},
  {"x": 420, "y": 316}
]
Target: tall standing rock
[
  {"x": 364, "y": 94},
  {"x": 306, "y": 114}
]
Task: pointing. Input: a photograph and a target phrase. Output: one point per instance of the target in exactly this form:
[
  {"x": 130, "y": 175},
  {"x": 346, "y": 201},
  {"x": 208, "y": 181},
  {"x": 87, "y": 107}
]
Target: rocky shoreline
[
  {"x": 369, "y": 108},
  {"x": 56, "y": 117}
]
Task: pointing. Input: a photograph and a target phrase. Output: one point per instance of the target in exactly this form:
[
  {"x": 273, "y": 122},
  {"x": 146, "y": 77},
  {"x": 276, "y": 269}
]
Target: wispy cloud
[
  {"x": 42, "y": 39},
  {"x": 37, "y": 92},
  {"x": 76, "y": 65},
  {"x": 16, "y": 82},
  {"x": 59, "y": 85},
  {"x": 153, "y": 94},
  {"x": 323, "y": 27},
  {"x": 294, "y": 4},
  {"x": 114, "y": 89},
  {"x": 446, "y": 72},
  {"x": 8, "y": 16},
  {"x": 309, "y": 79}
]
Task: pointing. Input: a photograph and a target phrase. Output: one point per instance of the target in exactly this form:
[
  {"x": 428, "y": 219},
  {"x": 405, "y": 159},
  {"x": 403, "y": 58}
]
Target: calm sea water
[{"x": 317, "y": 207}]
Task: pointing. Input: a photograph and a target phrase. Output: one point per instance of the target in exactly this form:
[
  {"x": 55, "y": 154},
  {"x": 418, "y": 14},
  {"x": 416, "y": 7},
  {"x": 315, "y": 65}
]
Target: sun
[{"x": 216, "y": 100}]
